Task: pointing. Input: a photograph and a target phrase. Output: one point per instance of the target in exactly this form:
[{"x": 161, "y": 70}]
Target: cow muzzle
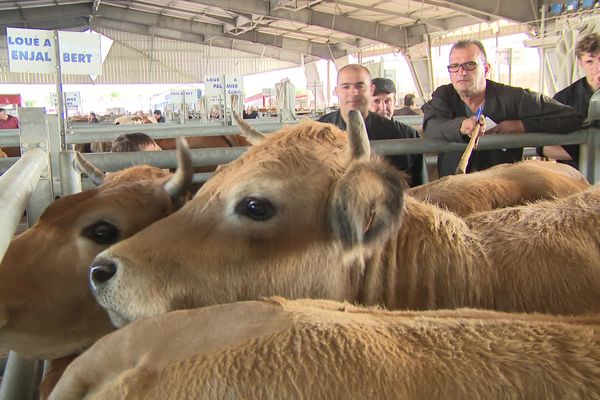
[{"x": 101, "y": 272}]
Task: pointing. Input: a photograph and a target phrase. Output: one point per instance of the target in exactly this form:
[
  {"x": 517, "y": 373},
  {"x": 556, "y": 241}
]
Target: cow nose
[{"x": 101, "y": 272}]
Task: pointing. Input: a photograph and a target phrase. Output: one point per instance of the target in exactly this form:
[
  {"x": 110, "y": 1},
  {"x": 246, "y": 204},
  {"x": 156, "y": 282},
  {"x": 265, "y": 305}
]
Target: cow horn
[
  {"x": 359, "y": 146},
  {"x": 253, "y": 136},
  {"x": 82, "y": 165},
  {"x": 180, "y": 182}
]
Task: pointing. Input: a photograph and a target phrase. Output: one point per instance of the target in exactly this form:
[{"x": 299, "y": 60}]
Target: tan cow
[
  {"x": 46, "y": 308},
  {"x": 134, "y": 120},
  {"x": 279, "y": 349},
  {"x": 303, "y": 214},
  {"x": 503, "y": 185}
]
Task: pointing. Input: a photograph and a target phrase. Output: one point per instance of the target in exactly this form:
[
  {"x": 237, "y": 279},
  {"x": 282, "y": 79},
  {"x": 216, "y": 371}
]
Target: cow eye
[
  {"x": 257, "y": 209},
  {"x": 102, "y": 232}
]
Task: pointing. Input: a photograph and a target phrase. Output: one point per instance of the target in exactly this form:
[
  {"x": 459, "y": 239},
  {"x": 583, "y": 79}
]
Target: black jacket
[
  {"x": 444, "y": 113},
  {"x": 379, "y": 128},
  {"x": 576, "y": 95}
]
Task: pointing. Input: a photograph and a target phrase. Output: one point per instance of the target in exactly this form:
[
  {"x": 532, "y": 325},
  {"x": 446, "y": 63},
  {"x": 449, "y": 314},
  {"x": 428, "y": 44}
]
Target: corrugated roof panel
[{"x": 136, "y": 58}]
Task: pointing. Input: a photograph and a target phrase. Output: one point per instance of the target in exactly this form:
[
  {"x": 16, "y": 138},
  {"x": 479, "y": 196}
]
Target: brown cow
[
  {"x": 304, "y": 349},
  {"x": 303, "y": 214},
  {"x": 504, "y": 185},
  {"x": 46, "y": 308}
]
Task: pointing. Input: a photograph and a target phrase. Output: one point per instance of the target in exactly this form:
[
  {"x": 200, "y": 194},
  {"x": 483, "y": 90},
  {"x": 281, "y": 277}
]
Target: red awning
[{"x": 6, "y": 99}]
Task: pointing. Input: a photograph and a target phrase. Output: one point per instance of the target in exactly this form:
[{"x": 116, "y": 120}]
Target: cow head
[
  {"x": 46, "y": 308},
  {"x": 294, "y": 216}
]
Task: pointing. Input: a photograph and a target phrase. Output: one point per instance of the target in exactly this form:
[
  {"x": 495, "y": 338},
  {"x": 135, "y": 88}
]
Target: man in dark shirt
[
  {"x": 578, "y": 94},
  {"x": 409, "y": 106},
  {"x": 450, "y": 114},
  {"x": 354, "y": 91}
]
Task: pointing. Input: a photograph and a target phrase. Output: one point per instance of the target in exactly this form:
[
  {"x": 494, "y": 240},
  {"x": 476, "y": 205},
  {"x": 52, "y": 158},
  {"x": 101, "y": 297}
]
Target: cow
[
  {"x": 46, "y": 308},
  {"x": 503, "y": 185},
  {"x": 303, "y": 349},
  {"x": 134, "y": 120},
  {"x": 308, "y": 213}
]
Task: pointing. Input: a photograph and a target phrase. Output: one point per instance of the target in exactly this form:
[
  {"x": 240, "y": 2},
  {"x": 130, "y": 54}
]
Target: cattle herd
[{"x": 307, "y": 269}]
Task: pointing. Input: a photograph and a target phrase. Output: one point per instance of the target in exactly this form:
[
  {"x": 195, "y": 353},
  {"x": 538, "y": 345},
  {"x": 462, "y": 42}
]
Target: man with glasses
[
  {"x": 354, "y": 92},
  {"x": 450, "y": 114},
  {"x": 578, "y": 94}
]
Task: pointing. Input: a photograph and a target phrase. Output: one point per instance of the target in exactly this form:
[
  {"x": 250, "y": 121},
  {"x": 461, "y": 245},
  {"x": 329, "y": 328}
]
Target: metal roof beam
[
  {"x": 523, "y": 11},
  {"x": 388, "y": 34},
  {"x": 209, "y": 31},
  {"x": 301, "y": 46},
  {"x": 41, "y": 14},
  {"x": 226, "y": 43}
]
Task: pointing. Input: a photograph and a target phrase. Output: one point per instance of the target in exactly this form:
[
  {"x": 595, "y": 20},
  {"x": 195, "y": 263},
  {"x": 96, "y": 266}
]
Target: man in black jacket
[
  {"x": 354, "y": 91},
  {"x": 450, "y": 114},
  {"x": 578, "y": 94}
]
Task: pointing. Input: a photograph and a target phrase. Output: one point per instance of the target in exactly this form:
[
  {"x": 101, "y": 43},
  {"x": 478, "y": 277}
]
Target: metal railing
[{"x": 17, "y": 186}]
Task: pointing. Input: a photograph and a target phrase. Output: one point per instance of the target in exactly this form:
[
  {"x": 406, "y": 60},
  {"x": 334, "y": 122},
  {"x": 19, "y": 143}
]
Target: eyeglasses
[{"x": 468, "y": 66}]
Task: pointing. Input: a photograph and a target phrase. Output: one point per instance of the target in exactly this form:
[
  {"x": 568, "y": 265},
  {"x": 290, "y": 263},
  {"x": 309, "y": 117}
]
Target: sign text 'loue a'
[{"x": 33, "y": 50}]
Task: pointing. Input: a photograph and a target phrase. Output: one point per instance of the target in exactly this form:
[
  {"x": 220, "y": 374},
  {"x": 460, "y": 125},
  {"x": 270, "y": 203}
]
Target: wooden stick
[{"x": 464, "y": 159}]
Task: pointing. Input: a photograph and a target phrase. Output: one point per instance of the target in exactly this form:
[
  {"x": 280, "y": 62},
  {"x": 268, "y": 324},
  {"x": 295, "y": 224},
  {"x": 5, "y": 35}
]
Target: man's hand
[
  {"x": 469, "y": 124},
  {"x": 508, "y": 126}
]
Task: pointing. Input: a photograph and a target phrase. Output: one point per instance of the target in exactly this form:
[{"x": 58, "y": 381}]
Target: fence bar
[
  {"x": 9, "y": 138},
  {"x": 16, "y": 187}
]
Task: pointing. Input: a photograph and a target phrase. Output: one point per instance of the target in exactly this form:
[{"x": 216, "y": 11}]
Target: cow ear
[{"x": 367, "y": 202}]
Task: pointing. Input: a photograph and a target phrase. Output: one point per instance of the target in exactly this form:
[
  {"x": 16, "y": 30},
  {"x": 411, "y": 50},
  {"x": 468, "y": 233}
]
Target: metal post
[
  {"x": 60, "y": 104},
  {"x": 34, "y": 135},
  {"x": 21, "y": 378},
  {"x": 70, "y": 180}
]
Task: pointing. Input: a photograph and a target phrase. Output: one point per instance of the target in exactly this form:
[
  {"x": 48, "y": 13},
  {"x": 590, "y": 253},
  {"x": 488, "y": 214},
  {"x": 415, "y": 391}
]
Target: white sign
[
  {"x": 234, "y": 84},
  {"x": 80, "y": 53},
  {"x": 176, "y": 96},
  {"x": 214, "y": 85},
  {"x": 30, "y": 50},
  {"x": 72, "y": 99}
]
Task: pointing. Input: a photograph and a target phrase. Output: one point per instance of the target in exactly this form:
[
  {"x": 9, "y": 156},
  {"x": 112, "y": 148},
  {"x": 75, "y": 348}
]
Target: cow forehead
[{"x": 300, "y": 150}]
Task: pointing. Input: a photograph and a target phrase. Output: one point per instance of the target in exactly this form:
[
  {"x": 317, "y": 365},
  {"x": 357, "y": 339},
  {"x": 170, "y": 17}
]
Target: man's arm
[
  {"x": 440, "y": 120},
  {"x": 543, "y": 114}
]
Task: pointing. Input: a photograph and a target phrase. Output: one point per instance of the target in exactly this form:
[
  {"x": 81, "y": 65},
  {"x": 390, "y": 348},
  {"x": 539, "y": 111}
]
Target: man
[
  {"x": 354, "y": 93},
  {"x": 92, "y": 119},
  {"x": 135, "y": 141},
  {"x": 8, "y": 121},
  {"x": 384, "y": 97},
  {"x": 450, "y": 115},
  {"x": 158, "y": 116},
  {"x": 409, "y": 106},
  {"x": 578, "y": 94}
]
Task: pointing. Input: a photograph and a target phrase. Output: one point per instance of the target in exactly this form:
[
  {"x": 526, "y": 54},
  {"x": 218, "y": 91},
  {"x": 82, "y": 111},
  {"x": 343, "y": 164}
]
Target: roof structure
[{"x": 294, "y": 31}]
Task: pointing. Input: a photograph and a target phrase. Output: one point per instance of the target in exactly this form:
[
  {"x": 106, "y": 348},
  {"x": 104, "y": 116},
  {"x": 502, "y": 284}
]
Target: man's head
[
  {"x": 588, "y": 54},
  {"x": 468, "y": 67},
  {"x": 409, "y": 100},
  {"x": 157, "y": 114},
  {"x": 136, "y": 141},
  {"x": 384, "y": 97},
  {"x": 91, "y": 117},
  {"x": 3, "y": 114},
  {"x": 353, "y": 89}
]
